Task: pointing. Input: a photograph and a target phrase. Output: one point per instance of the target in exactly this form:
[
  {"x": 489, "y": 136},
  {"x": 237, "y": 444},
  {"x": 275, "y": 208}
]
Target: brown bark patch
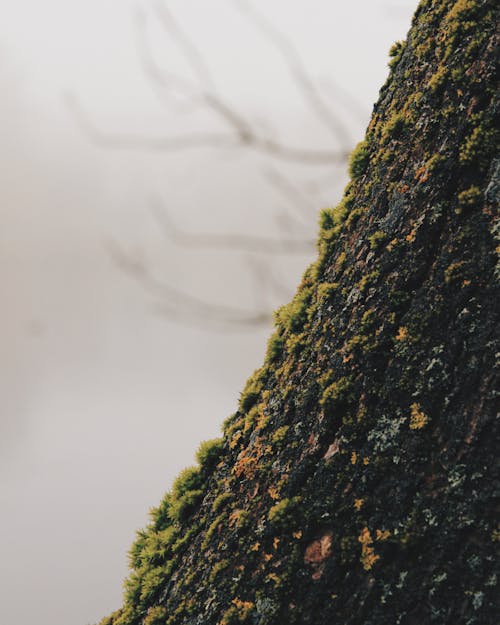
[{"x": 317, "y": 552}]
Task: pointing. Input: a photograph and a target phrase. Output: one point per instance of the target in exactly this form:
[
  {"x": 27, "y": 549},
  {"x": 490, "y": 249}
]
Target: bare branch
[
  {"x": 180, "y": 305},
  {"x": 298, "y": 71},
  {"x": 350, "y": 103},
  {"x": 197, "y": 91},
  {"x": 236, "y": 242},
  {"x": 241, "y": 132},
  {"x": 246, "y": 138},
  {"x": 167, "y": 87},
  {"x": 151, "y": 144},
  {"x": 292, "y": 193},
  {"x": 190, "y": 51},
  {"x": 268, "y": 281}
]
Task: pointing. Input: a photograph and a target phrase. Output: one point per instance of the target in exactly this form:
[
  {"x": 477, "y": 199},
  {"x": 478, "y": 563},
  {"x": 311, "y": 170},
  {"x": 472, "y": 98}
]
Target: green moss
[
  {"x": 152, "y": 583},
  {"x": 275, "y": 347},
  {"x": 188, "y": 479},
  {"x": 221, "y": 501},
  {"x": 293, "y": 316},
  {"x": 184, "y": 506},
  {"x": 377, "y": 239},
  {"x": 126, "y": 616},
  {"x": 156, "y": 615},
  {"x": 367, "y": 280},
  {"x": 337, "y": 395},
  {"x": 212, "y": 529},
  {"x": 368, "y": 320},
  {"x": 330, "y": 218},
  {"x": 359, "y": 159},
  {"x": 279, "y": 435},
  {"x": 394, "y": 126},
  {"x": 481, "y": 143},
  {"x": 296, "y": 343},
  {"x": 185, "y": 538},
  {"x": 438, "y": 79},
  {"x": 396, "y": 52},
  {"x": 282, "y": 514},
  {"x": 469, "y": 197},
  {"x": 209, "y": 453},
  {"x": 326, "y": 291},
  {"x": 231, "y": 425},
  {"x": 218, "y": 568},
  {"x": 251, "y": 392},
  {"x": 239, "y": 519},
  {"x": 239, "y": 612}
]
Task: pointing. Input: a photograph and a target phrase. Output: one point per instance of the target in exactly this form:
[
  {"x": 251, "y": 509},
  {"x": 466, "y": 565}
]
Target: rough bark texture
[{"x": 358, "y": 481}]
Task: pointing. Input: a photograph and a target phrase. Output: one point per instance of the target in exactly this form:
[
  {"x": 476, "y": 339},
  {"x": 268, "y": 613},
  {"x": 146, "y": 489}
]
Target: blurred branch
[
  {"x": 292, "y": 193},
  {"x": 190, "y": 51},
  {"x": 299, "y": 73},
  {"x": 240, "y": 132},
  {"x": 236, "y": 241},
  {"x": 197, "y": 92},
  {"x": 179, "y": 305}
]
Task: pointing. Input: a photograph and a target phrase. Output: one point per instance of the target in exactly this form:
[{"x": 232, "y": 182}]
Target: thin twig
[
  {"x": 191, "y": 53},
  {"x": 179, "y": 303},
  {"x": 298, "y": 71},
  {"x": 292, "y": 193},
  {"x": 237, "y": 242}
]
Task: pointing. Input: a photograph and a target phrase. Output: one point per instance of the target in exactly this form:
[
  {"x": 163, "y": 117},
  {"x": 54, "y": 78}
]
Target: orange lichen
[
  {"x": 411, "y": 236},
  {"x": 418, "y": 418},
  {"x": 422, "y": 174},
  {"x": 248, "y": 459},
  {"x": 273, "y": 492},
  {"x": 402, "y": 334},
  {"x": 368, "y": 555},
  {"x": 234, "y": 441},
  {"x": 382, "y": 534}
]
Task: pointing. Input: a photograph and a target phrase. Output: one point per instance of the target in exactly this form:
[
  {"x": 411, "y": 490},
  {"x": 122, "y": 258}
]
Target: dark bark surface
[{"x": 358, "y": 481}]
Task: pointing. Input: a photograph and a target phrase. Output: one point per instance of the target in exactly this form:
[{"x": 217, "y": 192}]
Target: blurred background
[{"x": 162, "y": 167}]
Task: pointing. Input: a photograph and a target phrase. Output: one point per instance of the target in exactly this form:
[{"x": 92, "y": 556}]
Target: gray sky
[{"x": 103, "y": 399}]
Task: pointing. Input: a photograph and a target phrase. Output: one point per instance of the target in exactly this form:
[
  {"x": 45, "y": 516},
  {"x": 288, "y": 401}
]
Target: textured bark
[{"x": 358, "y": 481}]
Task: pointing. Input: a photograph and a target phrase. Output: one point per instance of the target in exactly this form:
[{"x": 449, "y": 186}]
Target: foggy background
[{"x": 104, "y": 397}]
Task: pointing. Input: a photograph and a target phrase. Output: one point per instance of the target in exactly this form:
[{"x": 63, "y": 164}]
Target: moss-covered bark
[{"x": 358, "y": 481}]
